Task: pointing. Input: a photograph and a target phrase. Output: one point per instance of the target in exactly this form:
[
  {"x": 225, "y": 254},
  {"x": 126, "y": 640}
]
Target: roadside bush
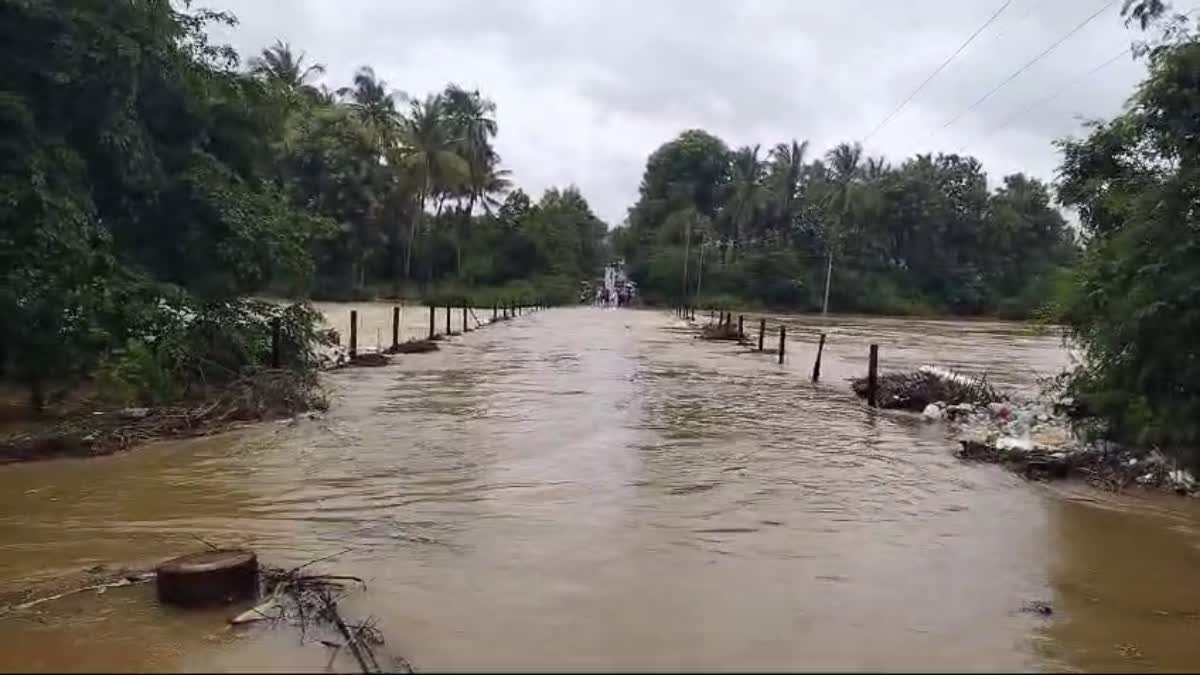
[{"x": 187, "y": 350}]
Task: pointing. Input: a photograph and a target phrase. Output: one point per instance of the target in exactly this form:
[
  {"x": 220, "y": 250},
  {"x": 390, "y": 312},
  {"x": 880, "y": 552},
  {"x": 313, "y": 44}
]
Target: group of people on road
[
  {"x": 614, "y": 290},
  {"x": 619, "y": 296}
]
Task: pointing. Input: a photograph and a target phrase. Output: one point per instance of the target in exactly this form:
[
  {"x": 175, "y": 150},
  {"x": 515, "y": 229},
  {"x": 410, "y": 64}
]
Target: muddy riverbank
[
  {"x": 591, "y": 489},
  {"x": 264, "y": 396}
]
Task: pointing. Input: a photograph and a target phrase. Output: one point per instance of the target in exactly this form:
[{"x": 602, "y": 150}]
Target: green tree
[
  {"x": 844, "y": 163},
  {"x": 1133, "y": 306},
  {"x": 470, "y": 117},
  {"x": 925, "y": 235},
  {"x": 429, "y": 155},
  {"x": 138, "y": 186},
  {"x": 279, "y": 65},
  {"x": 785, "y": 185},
  {"x": 744, "y": 200},
  {"x": 376, "y": 107}
]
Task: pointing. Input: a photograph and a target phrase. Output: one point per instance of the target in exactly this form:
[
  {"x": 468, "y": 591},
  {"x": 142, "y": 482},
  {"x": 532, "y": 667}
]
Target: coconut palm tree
[
  {"x": 324, "y": 96},
  {"x": 844, "y": 162},
  {"x": 470, "y": 115},
  {"x": 485, "y": 190},
  {"x": 428, "y": 153},
  {"x": 492, "y": 187},
  {"x": 745, "y": 195},
  {"x": 876, "y": 168},
  {"x": 280, "y": 65},
  {"x": 844, "y": 167},
  {"x": 785, "y": 182},
  {"x": 375, "y": 106}
]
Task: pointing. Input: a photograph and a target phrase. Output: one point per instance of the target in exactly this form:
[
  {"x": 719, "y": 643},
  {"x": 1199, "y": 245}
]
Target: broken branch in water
[
  {"x": 311, "y": 601},
  {"x": 211, "y": 546},
  {"x": 356, "y": 649},
  {"x": 915, "y": 390},
  {"x": 313, "y": 562}
]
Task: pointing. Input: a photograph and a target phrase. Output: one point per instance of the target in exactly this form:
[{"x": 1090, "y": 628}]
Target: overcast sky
[{"x": 586, "y": 89}]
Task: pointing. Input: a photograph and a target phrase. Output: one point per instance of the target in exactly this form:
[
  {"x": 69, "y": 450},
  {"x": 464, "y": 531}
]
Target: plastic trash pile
[{"x": 1034, "y": 438}]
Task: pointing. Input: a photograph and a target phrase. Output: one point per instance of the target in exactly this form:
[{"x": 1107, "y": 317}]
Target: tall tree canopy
[
  {"x": 924, "y": 236},
  {"x": 1134, "y": 304},
  {"x": 150, "y": 183}
]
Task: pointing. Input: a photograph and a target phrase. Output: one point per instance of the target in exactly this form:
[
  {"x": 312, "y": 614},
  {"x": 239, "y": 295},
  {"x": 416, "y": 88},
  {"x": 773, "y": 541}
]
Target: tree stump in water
[{"x": 208, "y": 578}]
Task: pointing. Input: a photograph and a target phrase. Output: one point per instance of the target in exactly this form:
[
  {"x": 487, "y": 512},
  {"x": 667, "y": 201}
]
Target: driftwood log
[
  {"x": 413, "y": 347},
  {"x": 216, "y": 577}
]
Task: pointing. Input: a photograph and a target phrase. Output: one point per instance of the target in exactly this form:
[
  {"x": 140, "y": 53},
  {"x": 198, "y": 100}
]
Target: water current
[{"x": 595, "y": 489}]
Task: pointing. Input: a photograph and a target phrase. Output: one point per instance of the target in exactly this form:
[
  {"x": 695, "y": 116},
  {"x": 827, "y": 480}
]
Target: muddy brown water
[{"x": 593, "y": 489}]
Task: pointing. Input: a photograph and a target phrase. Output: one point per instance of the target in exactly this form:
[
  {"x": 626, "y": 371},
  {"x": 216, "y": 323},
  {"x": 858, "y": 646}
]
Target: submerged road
[{"x": 594, "y": 489}]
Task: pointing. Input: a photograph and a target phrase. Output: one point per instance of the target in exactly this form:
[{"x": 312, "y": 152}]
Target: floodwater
[{"x": 591, "y": 489}]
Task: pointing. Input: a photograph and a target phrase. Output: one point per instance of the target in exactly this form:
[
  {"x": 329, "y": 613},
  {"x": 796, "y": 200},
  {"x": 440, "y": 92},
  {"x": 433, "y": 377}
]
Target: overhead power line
[
  {"x": 1061, "y": 90},
  {"x": 1064, "y": 88},
  {"x": 937, "y": 70},
  {"x": 1045, "y": 52}
]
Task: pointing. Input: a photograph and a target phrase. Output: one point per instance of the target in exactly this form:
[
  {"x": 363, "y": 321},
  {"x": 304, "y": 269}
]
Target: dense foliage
[
  {"x": 1134, "y": 304},
  {"x": 417, "y": 193},
  {"x": 713, "y": 223},
  {"x": 150, "y": 183}
]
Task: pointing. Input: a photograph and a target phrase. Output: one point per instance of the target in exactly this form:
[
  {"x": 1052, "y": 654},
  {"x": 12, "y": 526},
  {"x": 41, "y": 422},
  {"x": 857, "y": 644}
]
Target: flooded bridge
[{"x": 594, "y": 489}]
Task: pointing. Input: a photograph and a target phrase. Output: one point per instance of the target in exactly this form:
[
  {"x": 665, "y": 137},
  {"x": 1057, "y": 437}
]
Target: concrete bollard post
[{"x": 873, "y": 377}]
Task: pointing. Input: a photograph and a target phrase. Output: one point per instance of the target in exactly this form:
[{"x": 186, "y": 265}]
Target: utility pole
[
  {"x": 687, "y": 244},
  {"x": 828, "y": 276}
]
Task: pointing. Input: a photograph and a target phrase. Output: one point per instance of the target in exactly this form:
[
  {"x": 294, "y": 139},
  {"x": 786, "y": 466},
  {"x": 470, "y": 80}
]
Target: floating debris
[
  {"x": 721, "y": 331},
  {"x": 1038, "y": 607},
  {"x": 1034, "y": 438},
  {"x": 295, "y": 599},
  {"x": 369, "y": 360},
  {"x": 414, "y": 347},
  {"x": 916, "y": 391},
  {"x": 309, "y": 602}
]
